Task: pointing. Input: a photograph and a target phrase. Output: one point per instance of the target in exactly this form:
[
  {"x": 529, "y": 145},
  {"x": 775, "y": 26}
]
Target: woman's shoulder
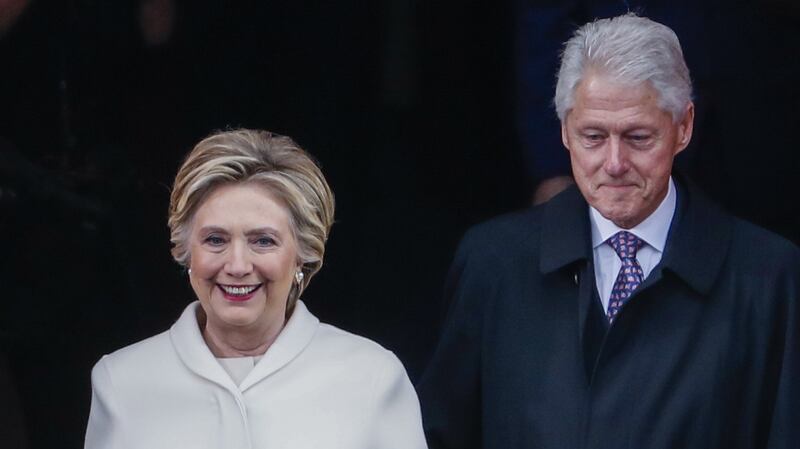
[
  {"x": 158, "y": 351},
  {"x": 336, "y": 336},
  {"x": 359, "y": 369},
  {"x": 326, "y": 342},
  {"x": 148, "y": 352},
  {"x": 336, "y": 344}
]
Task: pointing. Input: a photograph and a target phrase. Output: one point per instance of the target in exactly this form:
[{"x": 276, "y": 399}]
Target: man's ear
[
  {"x": 564, "y": 134},
  {"x": 685, "y": 128}
]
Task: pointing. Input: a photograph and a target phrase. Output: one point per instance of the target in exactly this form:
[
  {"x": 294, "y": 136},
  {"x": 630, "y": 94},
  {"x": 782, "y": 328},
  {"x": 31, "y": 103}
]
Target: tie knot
[{"x": 625, "y": 244}]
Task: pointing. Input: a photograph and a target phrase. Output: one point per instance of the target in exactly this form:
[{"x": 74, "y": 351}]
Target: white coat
[{"x": 316, "y": 387}]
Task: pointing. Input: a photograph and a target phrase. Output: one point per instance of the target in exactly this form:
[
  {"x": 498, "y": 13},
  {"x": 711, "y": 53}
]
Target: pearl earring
[
  {"x": 298, "y": 276},
  {"x": 189, "y": 271}
]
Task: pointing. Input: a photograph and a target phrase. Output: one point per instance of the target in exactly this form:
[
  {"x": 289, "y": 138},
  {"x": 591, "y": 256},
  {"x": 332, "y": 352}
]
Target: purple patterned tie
[{"x": 630, "y": 273}]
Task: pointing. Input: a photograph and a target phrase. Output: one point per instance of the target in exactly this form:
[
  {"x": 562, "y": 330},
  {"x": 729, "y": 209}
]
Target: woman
[{"x": 247, "y": 365}]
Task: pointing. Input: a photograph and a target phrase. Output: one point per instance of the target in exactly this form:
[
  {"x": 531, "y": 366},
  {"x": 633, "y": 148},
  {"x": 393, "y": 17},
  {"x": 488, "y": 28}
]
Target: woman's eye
[
  {"x": 214, "y": 240},
  {"x": 264, "y": 241}
]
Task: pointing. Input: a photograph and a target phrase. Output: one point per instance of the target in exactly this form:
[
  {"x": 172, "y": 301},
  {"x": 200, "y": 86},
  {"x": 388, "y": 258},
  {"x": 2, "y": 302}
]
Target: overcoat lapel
[
  {"x": 567, "y": 246},
  {"x": 698, "y": 240},
  {"x": 566, "y": 235}
]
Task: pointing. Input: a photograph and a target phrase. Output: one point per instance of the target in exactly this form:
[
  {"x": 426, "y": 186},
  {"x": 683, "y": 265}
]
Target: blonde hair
[{"x": 270, "y": 160}]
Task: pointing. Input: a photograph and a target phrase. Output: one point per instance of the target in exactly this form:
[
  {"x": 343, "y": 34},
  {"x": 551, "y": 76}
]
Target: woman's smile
[{"x": 238, "y": 292}]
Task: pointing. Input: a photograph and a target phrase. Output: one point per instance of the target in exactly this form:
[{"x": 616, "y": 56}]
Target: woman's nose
[{"x": 238, "y": 263}]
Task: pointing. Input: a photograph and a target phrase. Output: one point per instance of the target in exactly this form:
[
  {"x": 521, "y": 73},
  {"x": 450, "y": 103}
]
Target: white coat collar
[{"x": 195, "y": 354}]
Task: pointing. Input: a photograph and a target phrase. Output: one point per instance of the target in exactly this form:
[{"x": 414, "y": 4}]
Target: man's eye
[{"x": 594, "y": 137}]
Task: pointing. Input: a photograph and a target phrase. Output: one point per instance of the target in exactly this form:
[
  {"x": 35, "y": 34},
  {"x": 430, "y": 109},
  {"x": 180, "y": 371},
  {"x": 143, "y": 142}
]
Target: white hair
[{"x": 631, "y": 50}]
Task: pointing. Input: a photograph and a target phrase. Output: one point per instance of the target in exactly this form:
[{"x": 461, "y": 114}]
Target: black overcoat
[{"x": 704, "y": 355}]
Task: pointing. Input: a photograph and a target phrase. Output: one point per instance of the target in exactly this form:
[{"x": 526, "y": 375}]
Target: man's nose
[
  {"x": 616, "y": 163},
  {"x": 238, "y": 263}
]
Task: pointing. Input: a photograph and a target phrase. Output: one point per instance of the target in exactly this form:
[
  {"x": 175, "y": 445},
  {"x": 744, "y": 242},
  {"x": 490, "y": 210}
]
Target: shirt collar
[{"x": 653, "y": 230}]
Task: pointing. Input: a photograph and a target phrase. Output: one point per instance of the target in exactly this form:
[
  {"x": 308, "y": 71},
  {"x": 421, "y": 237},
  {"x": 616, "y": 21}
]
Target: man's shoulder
[
  {"x": 756, "y": 245},
  {"x": 714, "y": 231},
  {"x": 519, "y": 221},
  {"x": 510, "y": 231}
]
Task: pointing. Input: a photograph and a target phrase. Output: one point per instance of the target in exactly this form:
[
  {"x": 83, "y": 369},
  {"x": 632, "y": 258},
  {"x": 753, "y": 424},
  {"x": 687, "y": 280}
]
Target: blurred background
[{"x": 427, "y": 117}]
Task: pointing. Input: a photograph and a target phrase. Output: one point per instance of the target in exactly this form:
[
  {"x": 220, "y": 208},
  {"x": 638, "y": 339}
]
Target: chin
[
  {"x": 621, "y": 216},
  {"x": 237, "y": 314}
]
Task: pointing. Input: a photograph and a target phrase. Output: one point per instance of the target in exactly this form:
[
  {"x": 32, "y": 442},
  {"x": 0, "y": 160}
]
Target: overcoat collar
[
  {"x": 191, "y": 348},
  {"x": 566, "y": 235},
  {"x": 698, "y": 239},
  {"x": 696, "y": 246}
]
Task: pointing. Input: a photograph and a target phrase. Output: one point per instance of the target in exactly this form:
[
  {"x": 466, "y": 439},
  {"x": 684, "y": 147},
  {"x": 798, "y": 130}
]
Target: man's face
[{"x": 621, "y": 146}]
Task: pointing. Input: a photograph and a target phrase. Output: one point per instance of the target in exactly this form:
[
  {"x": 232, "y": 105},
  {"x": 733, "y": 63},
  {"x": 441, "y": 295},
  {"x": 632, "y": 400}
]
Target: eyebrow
[
  {"x": 262, "y": 231},
  {"x": 212, "y": 229},
  {"x": 251, "y": 232},
  {"x": 626, "y": 128}
]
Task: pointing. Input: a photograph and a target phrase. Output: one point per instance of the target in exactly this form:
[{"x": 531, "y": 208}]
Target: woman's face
[{"x": 243, "y": 260}]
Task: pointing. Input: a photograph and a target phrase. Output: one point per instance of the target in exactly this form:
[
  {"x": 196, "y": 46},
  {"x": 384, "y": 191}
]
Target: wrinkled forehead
[
  {"x": 604, "y": 94},
  {"x": 599, "y": 90}
]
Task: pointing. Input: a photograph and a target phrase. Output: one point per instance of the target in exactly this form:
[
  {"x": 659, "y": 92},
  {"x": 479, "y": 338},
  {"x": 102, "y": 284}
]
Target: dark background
[{"x": 410, "y": 107}]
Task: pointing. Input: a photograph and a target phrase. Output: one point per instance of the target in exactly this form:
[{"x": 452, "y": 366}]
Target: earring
[
  {"x": 298, "y": 277},
  {"x": 189, "y": 271}
]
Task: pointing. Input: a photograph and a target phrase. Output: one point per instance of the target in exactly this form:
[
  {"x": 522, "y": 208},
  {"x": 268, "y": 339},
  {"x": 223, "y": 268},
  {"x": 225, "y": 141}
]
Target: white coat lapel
[
  {"x": 193, "y": 351},
  {"x": 295, "y": 336}
]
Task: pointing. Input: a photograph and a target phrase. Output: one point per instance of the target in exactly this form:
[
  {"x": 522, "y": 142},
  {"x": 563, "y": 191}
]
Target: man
[
  {"x": 629, "y": 311},
  {"x": 759, "y": 186}
]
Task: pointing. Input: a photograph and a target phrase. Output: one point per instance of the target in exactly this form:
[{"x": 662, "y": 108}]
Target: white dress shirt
[{"x": 653, "y": 230}]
